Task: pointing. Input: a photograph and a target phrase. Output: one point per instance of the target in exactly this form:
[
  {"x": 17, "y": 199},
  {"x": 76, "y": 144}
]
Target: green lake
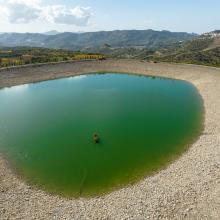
[{"x": 47, "y": 128}]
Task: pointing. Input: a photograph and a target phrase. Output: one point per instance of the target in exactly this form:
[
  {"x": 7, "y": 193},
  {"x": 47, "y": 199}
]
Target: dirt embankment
[{"x": 189, "y": 188}]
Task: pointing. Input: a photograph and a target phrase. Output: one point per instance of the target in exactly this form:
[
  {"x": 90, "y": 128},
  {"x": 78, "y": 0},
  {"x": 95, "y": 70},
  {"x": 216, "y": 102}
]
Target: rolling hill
[
  {"x": 204, "y": 50},
  {"x": 79, "y": 41}
]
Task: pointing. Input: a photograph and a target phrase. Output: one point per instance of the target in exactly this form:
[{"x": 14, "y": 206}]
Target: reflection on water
[{"x": 19, "y": 88}]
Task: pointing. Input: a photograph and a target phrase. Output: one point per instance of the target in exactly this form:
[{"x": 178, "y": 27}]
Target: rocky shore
[{"x": 189, "y": 188}]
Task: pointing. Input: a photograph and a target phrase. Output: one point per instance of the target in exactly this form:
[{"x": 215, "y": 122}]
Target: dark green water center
[{"x": 47, "y": 129}]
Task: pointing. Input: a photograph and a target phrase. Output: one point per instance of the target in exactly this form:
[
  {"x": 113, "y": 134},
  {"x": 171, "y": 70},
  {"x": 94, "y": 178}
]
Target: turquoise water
[{"x": 47, "y": 128}]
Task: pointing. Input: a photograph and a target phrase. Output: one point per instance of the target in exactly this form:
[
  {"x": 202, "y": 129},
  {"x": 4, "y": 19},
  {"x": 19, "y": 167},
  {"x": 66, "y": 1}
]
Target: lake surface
[{"x": 46, "y": 130}]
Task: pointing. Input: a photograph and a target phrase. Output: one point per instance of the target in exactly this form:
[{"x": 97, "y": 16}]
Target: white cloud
[
  {"x": 60, "y": 14},
  {"x": 25, "y": 11}
]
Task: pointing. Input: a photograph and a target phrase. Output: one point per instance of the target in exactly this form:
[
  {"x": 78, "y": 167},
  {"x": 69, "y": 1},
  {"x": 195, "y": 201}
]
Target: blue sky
[{"x": 93, "y": 15}]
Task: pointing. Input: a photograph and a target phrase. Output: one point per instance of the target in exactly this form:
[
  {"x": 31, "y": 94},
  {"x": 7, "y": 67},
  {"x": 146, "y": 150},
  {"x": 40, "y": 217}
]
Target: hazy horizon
[{"x": 96, "y": 31}]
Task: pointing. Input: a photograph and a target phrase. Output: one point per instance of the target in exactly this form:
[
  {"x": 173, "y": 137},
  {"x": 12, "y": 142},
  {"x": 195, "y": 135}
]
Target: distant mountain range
[
  {"x": 53, "y": 32},
  {"x": 80, "y": 41},
  {"x": 148, "y": 45}
]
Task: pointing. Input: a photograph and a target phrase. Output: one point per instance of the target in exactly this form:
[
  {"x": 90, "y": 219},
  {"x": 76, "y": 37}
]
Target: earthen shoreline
[{"x": 189, "y": 188}]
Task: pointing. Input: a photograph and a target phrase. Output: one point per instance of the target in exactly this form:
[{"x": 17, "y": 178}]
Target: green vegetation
[
  {"x": 28, "y": 55},
  {"x": 79, "y": 41},
  {"x": 197, "y": 44},
  {"x": 201, "y": 51},
  {"x": 155, "y": 46},
  {"x": 209, "y": 57}
]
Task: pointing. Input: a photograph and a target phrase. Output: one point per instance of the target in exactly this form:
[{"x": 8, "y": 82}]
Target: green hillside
[
  {"x": 204, "y": 50},
  {"x": 78, "y": 41}
]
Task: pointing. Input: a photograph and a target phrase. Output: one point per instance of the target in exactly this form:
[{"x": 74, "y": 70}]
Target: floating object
[{"x": 96, "y": 138}]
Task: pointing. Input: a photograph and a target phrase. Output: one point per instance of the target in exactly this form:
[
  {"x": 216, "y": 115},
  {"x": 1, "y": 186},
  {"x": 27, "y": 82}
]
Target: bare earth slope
[
  {"x": 188, "y": 189},
  {"x": 214, "y": 44}
]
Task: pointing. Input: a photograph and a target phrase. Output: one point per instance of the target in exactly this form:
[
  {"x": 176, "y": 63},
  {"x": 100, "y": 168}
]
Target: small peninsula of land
[{"x": 188, "y": 188}]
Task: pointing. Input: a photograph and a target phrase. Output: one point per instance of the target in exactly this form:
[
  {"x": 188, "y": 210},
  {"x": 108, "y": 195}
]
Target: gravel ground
[{"x": 189, "y": 188}]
